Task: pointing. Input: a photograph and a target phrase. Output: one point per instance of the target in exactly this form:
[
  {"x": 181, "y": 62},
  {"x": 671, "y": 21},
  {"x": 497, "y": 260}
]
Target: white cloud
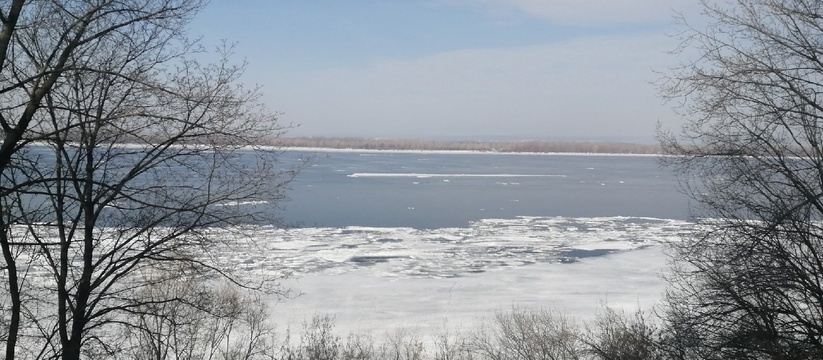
[
  {"x": 586, "y": 87},
  {"x": 589, "y": 12}
]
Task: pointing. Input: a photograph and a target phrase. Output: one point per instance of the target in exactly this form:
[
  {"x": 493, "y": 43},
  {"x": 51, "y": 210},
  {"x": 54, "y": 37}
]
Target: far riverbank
[{"x": 506, "y": 147}]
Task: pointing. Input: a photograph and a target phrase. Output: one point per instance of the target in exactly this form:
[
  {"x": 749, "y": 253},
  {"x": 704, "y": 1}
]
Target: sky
[{"x": 456, "y": 69}]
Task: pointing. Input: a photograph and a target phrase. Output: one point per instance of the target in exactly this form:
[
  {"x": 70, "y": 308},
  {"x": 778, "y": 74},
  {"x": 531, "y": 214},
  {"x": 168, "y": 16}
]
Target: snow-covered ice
[
  {"x": 376, "y": 279},
  {"x": 364, "y": 301}
]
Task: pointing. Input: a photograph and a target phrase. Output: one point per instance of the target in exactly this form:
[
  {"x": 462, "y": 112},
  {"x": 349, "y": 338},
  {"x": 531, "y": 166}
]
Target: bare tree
[
  {"x": 211, "y": 323},
  {"x": 748, "y": 283},
  {"x": 126, "y": 153}
]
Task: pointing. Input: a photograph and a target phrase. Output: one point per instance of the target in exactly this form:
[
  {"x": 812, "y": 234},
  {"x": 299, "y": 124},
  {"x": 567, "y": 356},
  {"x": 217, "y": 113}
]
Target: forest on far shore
[{"x": 527, "y": 146}]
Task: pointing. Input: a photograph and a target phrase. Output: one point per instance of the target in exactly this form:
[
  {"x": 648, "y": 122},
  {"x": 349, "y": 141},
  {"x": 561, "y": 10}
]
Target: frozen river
[{"x": 419, "y": 239}]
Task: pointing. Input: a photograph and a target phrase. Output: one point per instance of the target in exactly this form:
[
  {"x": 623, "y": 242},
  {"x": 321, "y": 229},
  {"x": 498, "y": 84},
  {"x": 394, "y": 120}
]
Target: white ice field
[{"x": 381, "y": 279}]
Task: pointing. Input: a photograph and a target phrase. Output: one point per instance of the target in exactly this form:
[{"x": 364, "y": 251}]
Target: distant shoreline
[
  {"x": 465, "y": 147},
  {"x": 454, "y": 152}
]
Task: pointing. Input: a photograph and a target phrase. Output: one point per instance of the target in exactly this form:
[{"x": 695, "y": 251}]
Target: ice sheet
[
  {"x": 367, "y": 301},
  {"x": 487, "y": 245},
  {"x": 380, "y": 279}
]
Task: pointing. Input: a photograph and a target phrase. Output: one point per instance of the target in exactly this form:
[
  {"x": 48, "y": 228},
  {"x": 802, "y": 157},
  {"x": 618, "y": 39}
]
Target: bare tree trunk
[
  {"x": 8, "y": 29},
  {"x": 14, "y": 293},
  {"x": 71, "y": 349}
]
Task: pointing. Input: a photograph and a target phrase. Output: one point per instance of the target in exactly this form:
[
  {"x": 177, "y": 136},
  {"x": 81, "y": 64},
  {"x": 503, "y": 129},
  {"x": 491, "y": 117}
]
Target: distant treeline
[{"x": 489, "y": 146}]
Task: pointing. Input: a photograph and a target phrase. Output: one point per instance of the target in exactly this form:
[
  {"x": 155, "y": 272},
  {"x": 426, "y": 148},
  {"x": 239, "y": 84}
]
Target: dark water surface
[{"x": 433, "y": 190}]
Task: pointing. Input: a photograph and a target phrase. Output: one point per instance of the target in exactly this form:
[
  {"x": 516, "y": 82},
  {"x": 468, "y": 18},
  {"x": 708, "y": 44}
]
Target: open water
[{"x": 435, "y": 190}]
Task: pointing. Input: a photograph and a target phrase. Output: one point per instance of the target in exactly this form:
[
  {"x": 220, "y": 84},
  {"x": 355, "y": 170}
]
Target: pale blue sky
[{"x": 548, "y": 69}]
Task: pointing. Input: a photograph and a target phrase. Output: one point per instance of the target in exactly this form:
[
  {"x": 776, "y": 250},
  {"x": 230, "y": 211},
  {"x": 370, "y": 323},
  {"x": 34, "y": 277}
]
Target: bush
[
  {"x": 616, "y": 336},
  {"x": 517, "y": 334},
  {"x": 523, "y": 334}
]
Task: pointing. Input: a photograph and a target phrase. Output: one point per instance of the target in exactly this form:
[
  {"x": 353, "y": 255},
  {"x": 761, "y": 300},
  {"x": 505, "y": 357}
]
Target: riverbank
[{"x": 505, "y": 147}]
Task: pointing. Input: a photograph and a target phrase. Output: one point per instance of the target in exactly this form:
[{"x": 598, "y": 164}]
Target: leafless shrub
[
  {"x": 616, "y": 336},
  {"x": 528, "y": 334},
  {"x": 517, "y": 334},
  {"x": 402, "y": 345},
  {"x": 204, "y": 322},
  {"x": 317, "y": 341},
  {"x": 359, "y": 347},
  {"x": 450, "y": 345}
]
